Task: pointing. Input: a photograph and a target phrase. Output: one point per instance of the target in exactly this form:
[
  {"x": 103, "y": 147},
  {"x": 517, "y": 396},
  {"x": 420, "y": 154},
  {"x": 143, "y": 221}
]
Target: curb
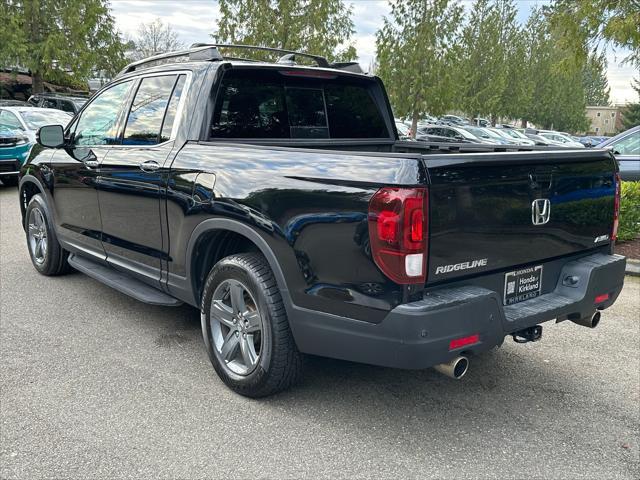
[{"x": 633, "y": 267}]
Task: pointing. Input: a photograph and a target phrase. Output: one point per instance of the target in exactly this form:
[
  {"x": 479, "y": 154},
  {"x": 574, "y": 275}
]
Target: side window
[
  {"x": 629, "y": 145},
  {"x": 9, "y": 120},
  {"x": 98, "y": 123},
  {"x": 172, "y": 109},
  {"x": 66, "y": 106},
  {"x": 144, "y": 123}
]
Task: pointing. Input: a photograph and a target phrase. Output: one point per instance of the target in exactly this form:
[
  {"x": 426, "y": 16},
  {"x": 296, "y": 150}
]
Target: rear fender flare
[{"x": 240, "y": 228}]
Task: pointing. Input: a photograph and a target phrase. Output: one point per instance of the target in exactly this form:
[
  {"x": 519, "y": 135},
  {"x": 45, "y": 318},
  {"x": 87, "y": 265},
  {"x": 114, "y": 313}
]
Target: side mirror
[{"x": 51, "y": 136}]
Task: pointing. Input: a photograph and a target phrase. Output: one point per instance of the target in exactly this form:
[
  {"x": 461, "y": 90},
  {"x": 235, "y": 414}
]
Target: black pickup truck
[{"x": 277, "y": 198}]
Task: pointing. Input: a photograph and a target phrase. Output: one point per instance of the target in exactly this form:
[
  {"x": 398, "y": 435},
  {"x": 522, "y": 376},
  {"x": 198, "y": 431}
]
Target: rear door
[
  {"x": 497, "y": 211},
  {"x": 133, "y": 178}
]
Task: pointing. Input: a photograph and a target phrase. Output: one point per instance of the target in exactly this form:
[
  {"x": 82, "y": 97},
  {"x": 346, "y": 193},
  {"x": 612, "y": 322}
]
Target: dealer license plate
[{"x": 522, "y": 285}]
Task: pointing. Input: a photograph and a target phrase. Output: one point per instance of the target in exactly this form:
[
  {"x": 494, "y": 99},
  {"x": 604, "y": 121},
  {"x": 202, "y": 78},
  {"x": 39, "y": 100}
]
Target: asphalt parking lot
[{"x": 97, "y": 385}]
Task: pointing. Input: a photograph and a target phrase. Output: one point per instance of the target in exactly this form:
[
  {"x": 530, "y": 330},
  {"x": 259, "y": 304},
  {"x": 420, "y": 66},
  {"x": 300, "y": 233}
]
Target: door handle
[
  {"x": 91, "y": 163},
  {"x": 149, "y": 166}
]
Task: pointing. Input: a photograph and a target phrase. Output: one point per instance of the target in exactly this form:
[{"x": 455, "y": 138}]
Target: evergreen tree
[
  {"x": 631, "y": 113},
  {"x": 594, "y": 81},
  {"x": 51, "y": 37},
  {"x": 322, "y": 27},
  {"x": 417, "y": 50},
  {"x": 487, "y": 76}
]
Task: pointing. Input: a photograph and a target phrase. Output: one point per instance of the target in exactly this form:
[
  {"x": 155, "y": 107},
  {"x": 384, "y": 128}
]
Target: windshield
[
  {"x": 36, "y": 118},
  {"x": 478, "y": 132},
  {"x": 465, "y": 134}
]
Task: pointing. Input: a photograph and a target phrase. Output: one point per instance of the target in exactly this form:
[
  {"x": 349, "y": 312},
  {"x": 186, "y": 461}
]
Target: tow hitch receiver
[{"x": 531, "y": 334}]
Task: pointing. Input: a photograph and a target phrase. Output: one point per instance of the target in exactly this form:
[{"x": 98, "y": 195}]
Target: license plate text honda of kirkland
[{"x": 277, "y": 199}]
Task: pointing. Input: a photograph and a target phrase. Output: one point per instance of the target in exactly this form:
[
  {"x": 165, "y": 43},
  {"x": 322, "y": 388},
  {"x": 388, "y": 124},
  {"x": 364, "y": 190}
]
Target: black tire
[
  {"x": 279, "y": 364},
  {"x": 9, "y": 181},
  {"x": 54, "y": 261}
]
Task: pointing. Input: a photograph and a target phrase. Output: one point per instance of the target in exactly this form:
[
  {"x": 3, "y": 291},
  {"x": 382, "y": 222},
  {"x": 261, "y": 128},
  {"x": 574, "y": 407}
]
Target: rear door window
[
  {"x": 267, "y": 104},
  {"x": 144, "y": 122}
]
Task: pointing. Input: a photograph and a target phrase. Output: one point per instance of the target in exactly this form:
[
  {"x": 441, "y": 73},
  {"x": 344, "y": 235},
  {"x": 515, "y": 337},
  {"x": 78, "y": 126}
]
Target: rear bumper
[{"x": 417, "y": 335}]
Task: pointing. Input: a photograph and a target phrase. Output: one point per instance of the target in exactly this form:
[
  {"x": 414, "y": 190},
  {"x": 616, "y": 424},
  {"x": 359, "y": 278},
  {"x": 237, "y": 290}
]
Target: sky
[{"x": 194, "y": 20}]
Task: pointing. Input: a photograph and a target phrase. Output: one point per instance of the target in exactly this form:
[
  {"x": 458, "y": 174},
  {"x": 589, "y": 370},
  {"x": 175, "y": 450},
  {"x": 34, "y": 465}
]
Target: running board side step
[{"x": 122, "y": 282}]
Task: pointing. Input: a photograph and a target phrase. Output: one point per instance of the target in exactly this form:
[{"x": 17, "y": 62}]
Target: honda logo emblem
[{"x": 540, "y": 211}]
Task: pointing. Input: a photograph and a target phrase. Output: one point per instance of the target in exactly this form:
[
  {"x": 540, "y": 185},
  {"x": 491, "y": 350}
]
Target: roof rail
[
  {"x": 209, "y": 52},
  {"x": 201, "y": 53},
  {"x": 288, "y": 57}
]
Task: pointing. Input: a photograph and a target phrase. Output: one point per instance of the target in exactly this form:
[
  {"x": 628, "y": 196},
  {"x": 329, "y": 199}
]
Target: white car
[
  {"x": 29, "y": 119},
  {"x": 560, "y": 139},
  {"x": 515, "y": 135}
]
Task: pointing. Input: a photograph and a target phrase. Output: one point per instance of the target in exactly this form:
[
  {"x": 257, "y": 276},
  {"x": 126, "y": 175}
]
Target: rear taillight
[
  {"x": 616, "y": 208},
  {"x": 398, "y": 230}
]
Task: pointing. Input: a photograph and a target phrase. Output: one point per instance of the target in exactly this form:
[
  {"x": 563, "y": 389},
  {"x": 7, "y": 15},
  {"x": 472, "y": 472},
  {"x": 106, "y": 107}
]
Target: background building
[{"x": 604, "y": 120}]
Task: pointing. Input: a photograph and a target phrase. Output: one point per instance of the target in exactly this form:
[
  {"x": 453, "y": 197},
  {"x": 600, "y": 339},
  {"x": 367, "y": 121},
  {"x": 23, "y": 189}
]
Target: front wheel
[
  {"x": 47, "y": 256},
  {"x": 245, "y": 327}
]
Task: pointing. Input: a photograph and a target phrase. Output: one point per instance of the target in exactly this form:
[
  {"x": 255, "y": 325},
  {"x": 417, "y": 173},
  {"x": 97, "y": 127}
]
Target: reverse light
[
  {"x": 601, "y": 298},
  {"x": 616, "y": 208},
  {"x": 398, "y": 232},
  {"x": 464, "y": 341}
]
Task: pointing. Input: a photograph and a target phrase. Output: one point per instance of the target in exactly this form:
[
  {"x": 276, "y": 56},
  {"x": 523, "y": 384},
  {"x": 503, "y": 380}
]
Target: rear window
[{"x": 267, "y": 104}]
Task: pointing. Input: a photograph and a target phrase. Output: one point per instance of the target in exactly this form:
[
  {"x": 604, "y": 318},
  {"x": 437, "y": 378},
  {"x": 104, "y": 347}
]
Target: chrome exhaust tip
[
  {"x": 455, "y": 369},
  {"x": 591, "y": 322}
]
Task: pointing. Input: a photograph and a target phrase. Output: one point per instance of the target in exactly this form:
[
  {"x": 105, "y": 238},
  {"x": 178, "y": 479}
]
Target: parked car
[
  {"x": 513, "y": 135},
  {"x": 626, "y": 148},
  {"x": 488, "y": 136},
  {"x": 454, "y": 134},
  {"x": 12, "y": 103},
  {"x": 591, "y": 140},
  {"x": 560, "y": 138},
  {"x": 404, "y": 131},
  {"x": 453, "y": 120},
  {"x": 18, "y": 126},
  {"x": 480, "y": 122},
  {"x": 540, "y": 140},
  {"x": 298, "y": 223},
  {"x": 66, "y": 103}
]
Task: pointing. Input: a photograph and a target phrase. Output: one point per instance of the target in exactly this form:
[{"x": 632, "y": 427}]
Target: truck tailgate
[{"x": 497, "y": 211}]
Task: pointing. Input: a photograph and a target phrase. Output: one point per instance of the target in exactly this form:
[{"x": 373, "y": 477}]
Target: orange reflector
[
  {"x": 601, "y": 298},
  {"x": 464, "y": 341}
]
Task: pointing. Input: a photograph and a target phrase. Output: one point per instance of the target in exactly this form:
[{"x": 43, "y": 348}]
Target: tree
[
  {"x": 321, "y": 27},
  {"x": 631, "y": 113},
  {"x": 591, "y": 22},
  {"x": 154, "y": 38},
  {"x": 489, "y": 41},
  {"x": 594, "y": 80},
  {"x": 417, "y": 50},
  {"x": 54, "y": 37},
  {"x": 556, "y": 96}
]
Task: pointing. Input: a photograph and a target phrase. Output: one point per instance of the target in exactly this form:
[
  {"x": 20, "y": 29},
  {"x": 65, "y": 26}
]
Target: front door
[
  {"x": 133, "y": 178},
  {"x": 75, "y": 172}
]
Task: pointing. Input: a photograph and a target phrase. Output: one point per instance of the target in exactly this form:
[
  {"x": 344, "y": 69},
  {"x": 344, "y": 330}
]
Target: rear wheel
[
  {"x": 47, "y": 256},
  {"x": 246, "y": 330}
]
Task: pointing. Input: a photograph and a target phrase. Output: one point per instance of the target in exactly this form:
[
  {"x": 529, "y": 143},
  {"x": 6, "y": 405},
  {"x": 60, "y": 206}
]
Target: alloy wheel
[
  {"x": 37, "y": 236},
  {"x": 236, "y": 327}
]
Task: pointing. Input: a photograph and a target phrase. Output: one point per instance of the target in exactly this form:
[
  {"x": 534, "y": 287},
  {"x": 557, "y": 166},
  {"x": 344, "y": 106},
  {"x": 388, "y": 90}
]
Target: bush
[{"x": 629, "y": 227}]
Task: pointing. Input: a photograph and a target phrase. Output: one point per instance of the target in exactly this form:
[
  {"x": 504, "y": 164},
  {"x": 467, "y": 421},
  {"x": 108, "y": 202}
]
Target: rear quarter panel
[{"x": 310, "y": 206}]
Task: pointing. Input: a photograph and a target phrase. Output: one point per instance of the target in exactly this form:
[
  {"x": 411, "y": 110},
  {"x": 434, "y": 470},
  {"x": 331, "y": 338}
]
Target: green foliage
[
  {"x": 417, "y": 49},
  {"x": 322, "y": 27},
  {"x": 556, "y": 97},
  {"x": 631, "y": 113},
  {"x": 489, "y": 44},
  {"x": 629, "y": 227},
  {"x": 51, "y": 37},
  {"x": 594, "y": 80},
  {"x": 583, "y": 22}
]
